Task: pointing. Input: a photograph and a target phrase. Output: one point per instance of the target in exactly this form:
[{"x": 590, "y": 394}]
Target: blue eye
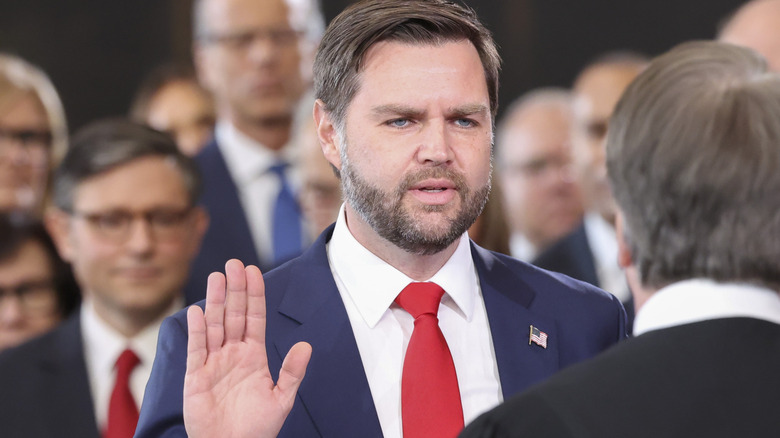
[
  {"x": 398, "y": 123},
  {"x": 465, "y": 123}
]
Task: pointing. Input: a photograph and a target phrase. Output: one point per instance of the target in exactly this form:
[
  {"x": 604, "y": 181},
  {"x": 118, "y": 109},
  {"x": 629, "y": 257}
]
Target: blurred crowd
[{"x": 107, "y": 231}]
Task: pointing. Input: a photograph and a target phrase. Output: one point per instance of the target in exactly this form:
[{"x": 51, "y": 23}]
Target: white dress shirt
[
  {"x": 698, "y": 300},
  {"x": 368, "y": 287},
  {"x": 603, "y": 244},
  {"x": 522, "y": 248},
  {"x": 248, "y": 162},
  {"x": 102, "y": 347}
]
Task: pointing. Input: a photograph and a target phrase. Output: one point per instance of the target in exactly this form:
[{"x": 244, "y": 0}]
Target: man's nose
[{"x": 435, "y": 144}]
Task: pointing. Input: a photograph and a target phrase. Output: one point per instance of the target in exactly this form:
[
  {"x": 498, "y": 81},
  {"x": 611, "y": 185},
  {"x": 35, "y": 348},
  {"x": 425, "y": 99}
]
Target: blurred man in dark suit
[
  {"x": 126, "y": 220},
  {"x": 255, "y": 57},
  {"x": 589, "y": 252}
]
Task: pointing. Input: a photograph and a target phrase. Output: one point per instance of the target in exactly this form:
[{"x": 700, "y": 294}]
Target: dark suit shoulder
[
  {"x": 550, "y": 285},
  {"x": 713, "y": 378},
  {"x": 45, "y": 388}
]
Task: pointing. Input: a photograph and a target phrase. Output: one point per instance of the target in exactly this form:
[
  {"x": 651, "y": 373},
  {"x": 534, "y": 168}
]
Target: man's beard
[{"x": 384, "y": 211}]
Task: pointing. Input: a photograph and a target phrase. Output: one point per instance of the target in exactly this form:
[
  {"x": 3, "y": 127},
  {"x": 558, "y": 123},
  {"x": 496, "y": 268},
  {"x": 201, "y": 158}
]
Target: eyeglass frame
[
  {"x": 33, "y": 288},
  {"x": 117, "y": 236},
  {"x": 241, "y": 41},
  {"x": 31, "y": 141}
]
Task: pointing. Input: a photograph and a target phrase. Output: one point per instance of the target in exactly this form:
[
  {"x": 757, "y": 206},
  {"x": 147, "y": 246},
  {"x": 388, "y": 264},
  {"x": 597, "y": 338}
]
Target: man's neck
[
  {"x": 271, "y": 133},
  {"x": 129, "y": 324},
  {"x": 415, "y": 266}
]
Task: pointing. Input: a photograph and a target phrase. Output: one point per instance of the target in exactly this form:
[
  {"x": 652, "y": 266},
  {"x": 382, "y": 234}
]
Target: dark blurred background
[{"x": 97, "y": 51}]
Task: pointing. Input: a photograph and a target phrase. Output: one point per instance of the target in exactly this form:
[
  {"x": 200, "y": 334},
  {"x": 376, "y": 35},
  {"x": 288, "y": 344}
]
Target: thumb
[{"x": 292, "y": 373}]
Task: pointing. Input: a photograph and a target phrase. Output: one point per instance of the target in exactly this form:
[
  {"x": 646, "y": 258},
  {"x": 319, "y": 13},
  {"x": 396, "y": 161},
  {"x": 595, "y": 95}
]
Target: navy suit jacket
[
  {"x": 334, "y": 400},
  {"x": 228, "y": 235},
  {"x": 44, "y": 388},
  {"x": 571, "y": 255}
]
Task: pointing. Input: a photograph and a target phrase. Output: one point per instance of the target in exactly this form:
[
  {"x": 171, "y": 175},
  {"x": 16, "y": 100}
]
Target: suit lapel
[
  {"x": 507, "y": 300},
  {"x": 335, "y": 391},
  {"x": 228, "y": 219},
  {"x": 65, "y": 386}
]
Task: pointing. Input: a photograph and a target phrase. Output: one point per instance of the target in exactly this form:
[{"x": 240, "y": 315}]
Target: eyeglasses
[
  {"x": 536, "y": 168},
  {"x": 36, "y": 297},
  {"x": 166, "y": 224},
  {"x": 33, "y": 143},
  {"x": 241, "y": 41}
]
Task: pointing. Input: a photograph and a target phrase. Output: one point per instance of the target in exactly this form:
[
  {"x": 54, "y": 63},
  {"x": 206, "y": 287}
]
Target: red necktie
[
  {"x": 430, "y": 397},
  {"x": 122, "y": 411}
]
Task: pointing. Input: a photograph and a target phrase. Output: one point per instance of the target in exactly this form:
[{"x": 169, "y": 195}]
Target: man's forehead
[
  {"x": 238, "y": 15},
  {"x": 123, "y": 181}
]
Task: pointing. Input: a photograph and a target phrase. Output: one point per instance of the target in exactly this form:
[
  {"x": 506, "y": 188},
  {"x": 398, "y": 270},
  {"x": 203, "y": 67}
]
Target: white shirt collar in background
[
  {"x": 603, "y": 245},
  {"x": 102, "y": 347}
]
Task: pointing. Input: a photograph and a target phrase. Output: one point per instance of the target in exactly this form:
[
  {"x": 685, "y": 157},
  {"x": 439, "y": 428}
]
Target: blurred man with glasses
[
  {"x": 125, "y": 218},
  {"x": 255, "y": 57}
]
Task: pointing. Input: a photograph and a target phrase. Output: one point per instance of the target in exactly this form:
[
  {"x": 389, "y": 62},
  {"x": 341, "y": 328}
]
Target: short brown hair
[
  {"x": 693, "y": 154},
  {"x": 360, "y": 26}
]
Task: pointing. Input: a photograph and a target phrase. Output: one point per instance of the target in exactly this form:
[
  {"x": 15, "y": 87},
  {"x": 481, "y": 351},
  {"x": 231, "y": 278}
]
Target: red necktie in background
[
  {"x": 430, "y": 397},
  {"x": 122, "y": 411}
]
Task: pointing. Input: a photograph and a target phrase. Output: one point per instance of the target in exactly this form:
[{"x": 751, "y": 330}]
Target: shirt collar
[
  {"x": 703, "y": 299},
  {"x": 372, "y": 284},
  {"x": 105, "y": 344},
  {"x": 245, "y": 157},
  {"x": 521, "y": 248},
  {"x": 601, "y": 237}
]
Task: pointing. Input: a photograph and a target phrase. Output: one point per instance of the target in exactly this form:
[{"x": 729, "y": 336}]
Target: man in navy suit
[
  {"x": 406, "y": 98},
  {"x": 693, "y": 153},
  {"x": 255, "y": 57},
  {"x": 126, "y": 220}
]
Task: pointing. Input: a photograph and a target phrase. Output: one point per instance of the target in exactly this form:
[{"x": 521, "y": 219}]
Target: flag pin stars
[{"x": 537, "y": 337}]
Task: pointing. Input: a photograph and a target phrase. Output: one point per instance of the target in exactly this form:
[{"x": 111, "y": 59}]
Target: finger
[
  {"x": 235, "y": 301},
  {"x": 215, "y": 311},
  {"x": 196, "y": 339},
  {"x": 255, "y": 312},
  {"x": 292, "y": 373}
]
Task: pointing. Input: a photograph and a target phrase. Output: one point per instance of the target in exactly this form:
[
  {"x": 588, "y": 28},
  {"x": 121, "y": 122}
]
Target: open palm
[{"x": 228, "y": 389}]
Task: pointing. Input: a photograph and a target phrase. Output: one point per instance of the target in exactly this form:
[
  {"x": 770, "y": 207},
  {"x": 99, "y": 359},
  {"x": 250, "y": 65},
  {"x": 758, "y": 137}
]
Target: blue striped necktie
[{"x": 287, "y": 238}]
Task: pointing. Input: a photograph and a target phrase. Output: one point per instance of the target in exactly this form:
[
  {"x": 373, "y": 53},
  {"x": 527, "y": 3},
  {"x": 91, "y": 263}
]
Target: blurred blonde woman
[{"x": 33, "y": 135}]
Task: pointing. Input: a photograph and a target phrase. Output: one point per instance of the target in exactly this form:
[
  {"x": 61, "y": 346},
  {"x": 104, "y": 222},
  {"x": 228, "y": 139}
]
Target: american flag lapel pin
[{"x": 537, "y": 337}]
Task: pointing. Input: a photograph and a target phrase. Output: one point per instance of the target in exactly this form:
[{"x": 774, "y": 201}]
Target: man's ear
[
  {"x": 625, "y": 257},
  {"x": 328, "y": 134},
  {"x": 57, "y": 223}
]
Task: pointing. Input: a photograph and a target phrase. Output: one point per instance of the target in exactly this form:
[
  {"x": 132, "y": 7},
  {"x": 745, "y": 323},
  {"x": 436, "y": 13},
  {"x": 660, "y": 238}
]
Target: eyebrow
[
  {"x": 468, "y": 110},
  {"x": 396, "y": 110},
  {"x": 407, "y": 111}
]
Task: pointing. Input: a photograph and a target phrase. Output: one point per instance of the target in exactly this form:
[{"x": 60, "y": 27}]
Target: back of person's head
[
  {"x": 350, "y": 35},
  {"x": 693, "y": 153},
  {"x": 108, "y": 144}
]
